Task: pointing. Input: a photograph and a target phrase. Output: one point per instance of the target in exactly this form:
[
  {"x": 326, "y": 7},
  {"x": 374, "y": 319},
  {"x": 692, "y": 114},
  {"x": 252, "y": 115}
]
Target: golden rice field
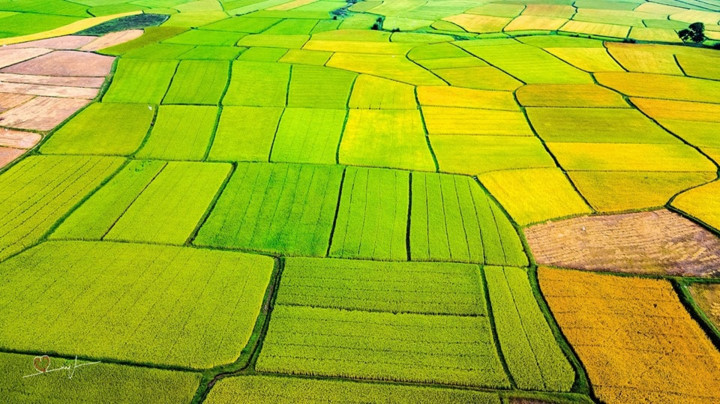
[{"x": 407, "y": 201}]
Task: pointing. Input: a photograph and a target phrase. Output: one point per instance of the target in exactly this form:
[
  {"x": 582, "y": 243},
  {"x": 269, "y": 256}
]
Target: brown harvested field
[
  {"x": 8, "y": 101},
  {"x": 67, "y": 42},
  {"x": 12, "y": 56},
  {"x": 634, "y": 338},
  {"x": 65, "y": 63},
  {"x": 41, "y": 113},
  {"x": 707, "y": 296},
  {"x": 18, "y": 139},
  {"x": 59, "y": 43},
  {"x": 112, "y": 39},
  {"x": 8, "y": 154},
  {"x": 92, "y": 82},
  {"x": 657, "y": 242},
  {"x": 48, "y": 91}
]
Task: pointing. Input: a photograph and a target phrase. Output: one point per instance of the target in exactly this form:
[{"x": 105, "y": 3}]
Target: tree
[{"x": 694, "y": 33}]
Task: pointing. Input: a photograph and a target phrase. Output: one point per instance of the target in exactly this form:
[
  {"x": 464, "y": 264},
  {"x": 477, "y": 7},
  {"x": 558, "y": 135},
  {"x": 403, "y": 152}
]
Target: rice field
[
  {"x": 376, "y": 200},
  {"x": 147, "y": 326},
  {"x": 633, "y": 324}
]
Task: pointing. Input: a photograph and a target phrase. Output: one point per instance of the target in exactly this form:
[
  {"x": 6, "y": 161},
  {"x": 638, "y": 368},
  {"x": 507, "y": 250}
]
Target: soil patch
[
  {"x": 660, "y": 242},
  {"x": 65, "y": 63}
]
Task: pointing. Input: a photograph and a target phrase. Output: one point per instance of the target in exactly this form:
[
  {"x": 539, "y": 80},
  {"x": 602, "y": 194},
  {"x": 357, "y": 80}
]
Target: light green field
[
  {"x": 103, "y": 129},
  {"x": 417, "y": 287},
  {"x": 132, "y": 317},
  {"x": 275, "y": 208},
  {"x": 245, "y": 133},
  {"x": 308, "y": 135},
  {"x": 304, "y": 340},
  {"x": 93, "y": 383},
  {"x": 180, "y": 133},
  {"x": 385, "y": 138},
  {"x": 253, "y": 389},
  {"x": 141, "y": 81},
  {"x": 198, "y": 82},
  {"x": 453, "y": 219},
  {"x": 372, "y": 215},
  {"x": 523, "y": 333},
  {"x": 32, "y": 202}
]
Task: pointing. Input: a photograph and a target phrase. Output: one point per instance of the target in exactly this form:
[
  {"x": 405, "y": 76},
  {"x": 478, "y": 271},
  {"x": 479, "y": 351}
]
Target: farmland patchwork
[{"x": 340, "y": 201}]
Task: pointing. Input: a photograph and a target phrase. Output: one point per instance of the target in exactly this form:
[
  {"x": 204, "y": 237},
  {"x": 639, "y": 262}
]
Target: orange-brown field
[
  {"x": 635, "y": 338},
  {"x": 657, "y": 242}
]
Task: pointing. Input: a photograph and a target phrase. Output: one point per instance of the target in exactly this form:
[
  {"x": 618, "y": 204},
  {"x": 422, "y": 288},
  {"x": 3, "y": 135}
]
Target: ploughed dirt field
[
  {"x": 657, "y": 242},
  {"x": 44, "y": 82}
]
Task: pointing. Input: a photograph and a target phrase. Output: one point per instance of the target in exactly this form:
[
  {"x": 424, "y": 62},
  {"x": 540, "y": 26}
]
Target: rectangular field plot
[
  {"x": 206, "y": 37},
  {"x": 644, "y": 58},
  {"x": 664, "y": 110},
  {"x": 396, "y": 287},
  {"x": 372, "y": 216},
  {"x": 634, "y": 337},
  {"x": 616, "y": 191},
  {"x": 370, "y": 92},
  {"x": 99, "y": 382},
  {"x": 198, "y": 82},
  {"x": 597, "y": 125},
  {"x": 527, "y": 63},
  {"x": 662, "y": 86},
  {"x": 386, "y": 138},
  {"x": 453, "y": 219},
  {"x": 251, "y": 25},
  {"x": 212, "y": 53},
  {"x": 245, "y": 134},
  {"x": 534, "y": 358},
  {"x": 169, "y": 209},
  {"x": 629, "y": 157},
  {"x": 479, "y": 77},
  {"x": 464, "y": 121},
  {"x": 31, "y": 201},
  {"x": 277, "y": 208},
  {"x": 141, "y": 81},
  {"x": 123, "y": 291},
  {"x": 535, "y": 194},
  {"x": 274, "y": 41},
  {"x": 258, "y": 84},
  {"x": 386, "y": 66},
  {"x": 305, "y": 57},
  {"x": 262, "y": 55},
  {"x": 437, "y": 51},
  {"x": 104, "y": 128},
  {"x": 93, "y": 219},
  {"x": 158, "y": 51},
  {"x": 266, "y": 389},
  {"x": 308, "y": 135},
  {"x": 431, "y": 349},
  {"x": 319, "y": 87},
  {"x": 569, "y": 95},
  {"x": 444, "y": 96},
  {"x": 702, "y": 203},
  {"x": 180, "y": 133},
  {"x": 588, "y": 59},
  {"x": 469, "y": 154}
]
